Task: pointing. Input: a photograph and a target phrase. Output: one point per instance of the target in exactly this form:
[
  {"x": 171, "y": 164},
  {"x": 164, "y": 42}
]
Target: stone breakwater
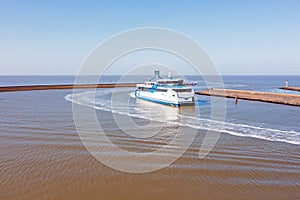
[
  {"x": 61, "y": 87},
  {"x": 291, "y": 88},
  {"x": 287, "y": 99}
]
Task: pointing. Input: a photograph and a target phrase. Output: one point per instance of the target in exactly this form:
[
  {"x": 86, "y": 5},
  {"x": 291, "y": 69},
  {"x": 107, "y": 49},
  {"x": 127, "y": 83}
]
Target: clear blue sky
[{"x": 242, "y": 36}]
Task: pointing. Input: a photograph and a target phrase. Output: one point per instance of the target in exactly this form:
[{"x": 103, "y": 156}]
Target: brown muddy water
[{"x": 42, "y": 157}]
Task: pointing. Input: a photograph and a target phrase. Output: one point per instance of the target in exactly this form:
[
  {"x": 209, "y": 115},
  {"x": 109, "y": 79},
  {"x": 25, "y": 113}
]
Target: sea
[{"x": 43, "y": 155}]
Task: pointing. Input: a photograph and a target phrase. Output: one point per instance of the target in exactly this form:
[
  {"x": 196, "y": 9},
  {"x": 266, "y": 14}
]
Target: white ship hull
[
  {"x": 168, "y": 91},
  {"x": 166, "y": 98}
]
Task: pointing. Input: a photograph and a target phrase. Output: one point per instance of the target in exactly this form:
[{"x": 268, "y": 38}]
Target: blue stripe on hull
[{"x": 157, "y": 101}]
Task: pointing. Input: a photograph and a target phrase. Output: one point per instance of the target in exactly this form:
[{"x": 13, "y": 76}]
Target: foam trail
[{"x": 102, "y": 101}]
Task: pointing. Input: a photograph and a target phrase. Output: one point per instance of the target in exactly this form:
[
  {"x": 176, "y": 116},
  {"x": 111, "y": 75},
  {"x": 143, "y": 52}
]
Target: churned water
[{"x": 42, "y": 156}]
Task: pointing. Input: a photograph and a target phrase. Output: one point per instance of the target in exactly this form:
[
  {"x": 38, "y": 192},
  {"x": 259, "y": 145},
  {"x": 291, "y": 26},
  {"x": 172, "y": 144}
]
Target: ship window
[
  {"x": 161, "y": 90},
  {"x": 174, "y": 82},
  {"x": 182, "y": 90}
]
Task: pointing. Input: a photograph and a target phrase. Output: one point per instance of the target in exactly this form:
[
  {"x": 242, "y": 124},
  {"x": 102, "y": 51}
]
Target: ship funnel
[{"x": 156, "y": 75}]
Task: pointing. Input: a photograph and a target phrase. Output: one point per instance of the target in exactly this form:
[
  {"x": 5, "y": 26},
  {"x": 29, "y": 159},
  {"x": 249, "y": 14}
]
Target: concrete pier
[
  {"x": 291, "y": 88},
  {"x": 61, "y": 87},
  {"x": 287, "y": 99}
]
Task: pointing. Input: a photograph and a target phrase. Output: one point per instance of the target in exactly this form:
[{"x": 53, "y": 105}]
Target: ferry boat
[{"x": 167, "y": 91}]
